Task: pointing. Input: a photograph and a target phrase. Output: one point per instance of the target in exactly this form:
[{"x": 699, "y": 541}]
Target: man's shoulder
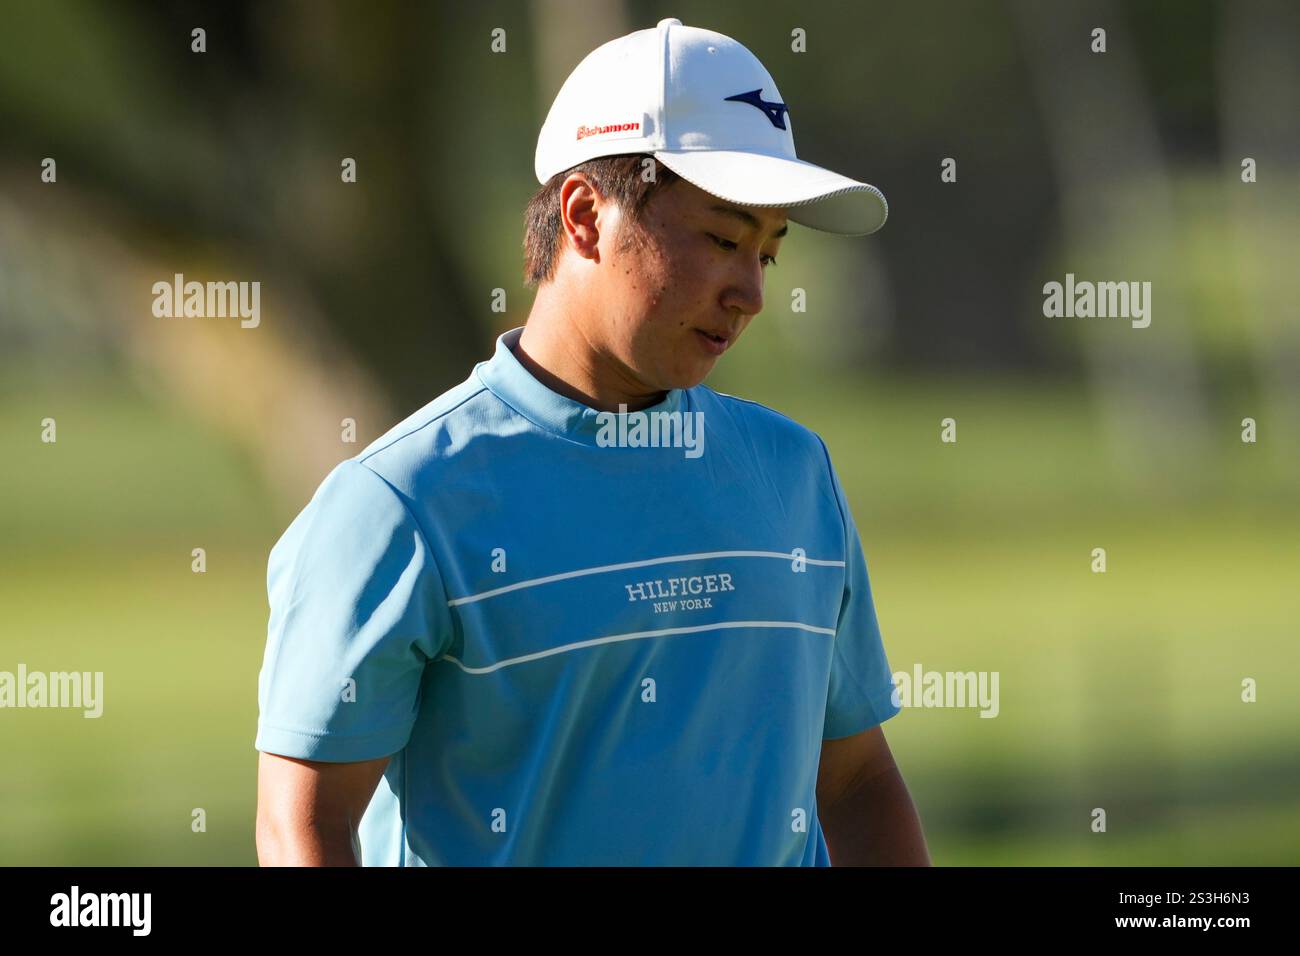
[
  {"x": 422, "y": 437},
  {"x": 788, "y": 447},
  {"x": 758, "y": 419}
]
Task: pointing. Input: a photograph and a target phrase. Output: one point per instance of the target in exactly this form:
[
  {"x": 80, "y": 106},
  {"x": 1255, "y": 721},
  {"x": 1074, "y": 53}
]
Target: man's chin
[
  {"x": 683, "y": 374},
  {"x": 694, "y": 377}
]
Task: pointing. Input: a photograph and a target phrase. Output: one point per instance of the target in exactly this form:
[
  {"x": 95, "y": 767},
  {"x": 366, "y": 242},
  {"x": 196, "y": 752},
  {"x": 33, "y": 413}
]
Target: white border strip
[
  {"x": 724, "y": 625},
  {"x": 701, "y": 556}
]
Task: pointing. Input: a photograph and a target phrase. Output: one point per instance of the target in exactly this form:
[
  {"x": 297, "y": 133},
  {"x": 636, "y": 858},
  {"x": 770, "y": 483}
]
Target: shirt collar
[{"x": 506, "y": 377}]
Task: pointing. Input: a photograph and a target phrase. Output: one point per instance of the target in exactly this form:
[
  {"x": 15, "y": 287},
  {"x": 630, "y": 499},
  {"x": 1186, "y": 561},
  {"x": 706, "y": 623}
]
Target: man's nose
[{"x": 745, "y": 293}]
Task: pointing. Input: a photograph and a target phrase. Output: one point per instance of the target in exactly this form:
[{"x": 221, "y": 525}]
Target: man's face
[{"x": 684, "y": 286}]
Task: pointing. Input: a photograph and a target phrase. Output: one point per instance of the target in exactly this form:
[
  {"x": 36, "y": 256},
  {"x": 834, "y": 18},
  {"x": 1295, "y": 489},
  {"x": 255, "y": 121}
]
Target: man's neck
[{"x": 556, "y": 352}]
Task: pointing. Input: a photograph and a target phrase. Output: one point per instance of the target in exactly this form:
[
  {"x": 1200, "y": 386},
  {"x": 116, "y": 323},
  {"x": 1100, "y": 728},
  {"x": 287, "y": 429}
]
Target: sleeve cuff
[
  {"x": 875, "y": 712},
  {"x": 331, "y": 748}
]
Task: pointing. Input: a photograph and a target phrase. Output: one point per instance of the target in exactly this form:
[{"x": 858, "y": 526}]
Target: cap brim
[{"x": 815, "y": 197}]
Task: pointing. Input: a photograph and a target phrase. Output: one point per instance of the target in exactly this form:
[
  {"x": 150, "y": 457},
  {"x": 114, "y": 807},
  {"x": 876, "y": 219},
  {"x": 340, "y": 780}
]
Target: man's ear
[{"x": 582, "y": 216}]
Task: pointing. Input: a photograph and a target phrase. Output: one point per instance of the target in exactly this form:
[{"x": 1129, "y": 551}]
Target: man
[{"x": 581, "y": 609}]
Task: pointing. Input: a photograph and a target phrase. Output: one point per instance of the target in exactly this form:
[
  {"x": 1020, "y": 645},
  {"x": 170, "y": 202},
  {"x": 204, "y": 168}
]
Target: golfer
[{"x": 582, "y": 609}]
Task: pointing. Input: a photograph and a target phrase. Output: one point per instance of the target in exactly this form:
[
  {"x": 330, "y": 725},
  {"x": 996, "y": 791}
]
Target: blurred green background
[{"x": 1119, "y": 690}]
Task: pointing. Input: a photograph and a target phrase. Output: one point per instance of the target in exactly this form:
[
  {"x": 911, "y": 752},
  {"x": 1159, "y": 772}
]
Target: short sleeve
[
  {"x": 357, "y": 611},
  {"x": 861, "y": 691}
]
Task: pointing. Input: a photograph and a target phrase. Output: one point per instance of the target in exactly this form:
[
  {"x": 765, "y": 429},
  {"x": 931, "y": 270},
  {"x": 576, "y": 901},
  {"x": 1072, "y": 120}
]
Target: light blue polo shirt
[{"x": 584, "y": 641}]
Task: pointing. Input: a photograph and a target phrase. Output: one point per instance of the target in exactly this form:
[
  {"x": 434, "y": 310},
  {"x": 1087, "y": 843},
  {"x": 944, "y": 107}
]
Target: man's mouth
[{"x": 714, "y": 342}]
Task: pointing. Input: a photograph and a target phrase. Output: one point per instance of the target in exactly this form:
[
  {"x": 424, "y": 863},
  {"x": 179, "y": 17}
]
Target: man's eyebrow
[{"x": 748, "y": 219}]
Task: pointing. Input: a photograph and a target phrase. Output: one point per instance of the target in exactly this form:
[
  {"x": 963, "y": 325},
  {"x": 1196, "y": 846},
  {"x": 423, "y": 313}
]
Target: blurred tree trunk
[
  {"x": 565, "y": 31},
  {"x": 1119, "y": 225}
]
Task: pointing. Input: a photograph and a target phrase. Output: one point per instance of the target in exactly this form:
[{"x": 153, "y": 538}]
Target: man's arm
[
  {"x": 308, "y": 810},
  {"x": 865, "y": 810}
]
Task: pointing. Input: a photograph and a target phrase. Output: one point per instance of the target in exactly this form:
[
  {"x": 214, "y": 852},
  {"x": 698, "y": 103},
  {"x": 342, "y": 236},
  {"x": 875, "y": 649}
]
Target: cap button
[{"x": 666, "y": 21}]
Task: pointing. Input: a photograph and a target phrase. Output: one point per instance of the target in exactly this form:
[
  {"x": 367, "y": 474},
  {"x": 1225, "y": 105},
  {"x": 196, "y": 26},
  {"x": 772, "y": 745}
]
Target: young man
[{"x": 582, "y": 609}]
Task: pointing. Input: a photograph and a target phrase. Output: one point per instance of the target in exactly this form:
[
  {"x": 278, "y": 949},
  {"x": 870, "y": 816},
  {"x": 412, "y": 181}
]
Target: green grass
[{"x": 180, "y": 653}]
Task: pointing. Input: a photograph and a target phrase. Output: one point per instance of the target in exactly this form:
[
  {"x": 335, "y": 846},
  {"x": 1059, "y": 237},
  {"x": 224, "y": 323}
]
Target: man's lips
[{"x": 714, "y": 341}]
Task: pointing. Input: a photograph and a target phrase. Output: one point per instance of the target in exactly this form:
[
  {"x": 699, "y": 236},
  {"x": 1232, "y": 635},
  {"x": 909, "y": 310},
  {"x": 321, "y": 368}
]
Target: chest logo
[{"x": 690, "y": 593}]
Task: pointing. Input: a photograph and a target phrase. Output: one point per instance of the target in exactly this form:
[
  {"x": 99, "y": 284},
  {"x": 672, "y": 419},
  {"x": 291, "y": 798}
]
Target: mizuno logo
[{"x": 773, "y": 110}]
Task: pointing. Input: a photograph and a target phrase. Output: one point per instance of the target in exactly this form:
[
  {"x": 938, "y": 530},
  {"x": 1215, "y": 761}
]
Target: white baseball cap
[{"x": 706, "y": 108}]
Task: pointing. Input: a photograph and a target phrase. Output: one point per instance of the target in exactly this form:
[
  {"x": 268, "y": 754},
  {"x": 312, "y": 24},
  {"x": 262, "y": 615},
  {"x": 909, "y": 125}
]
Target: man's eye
[{"x": 729, "y": 245}]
